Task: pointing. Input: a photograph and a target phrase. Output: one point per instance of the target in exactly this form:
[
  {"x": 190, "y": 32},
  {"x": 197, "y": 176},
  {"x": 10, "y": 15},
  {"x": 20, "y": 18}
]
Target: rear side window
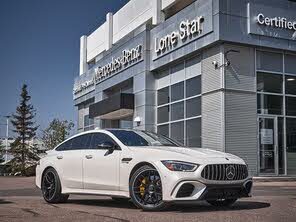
[
  {"x": 81, "y": 142},
  {"x": 77, "y": 143},
  {"x": 65, "y": 146},
  {"x": 99, "y": 138}
]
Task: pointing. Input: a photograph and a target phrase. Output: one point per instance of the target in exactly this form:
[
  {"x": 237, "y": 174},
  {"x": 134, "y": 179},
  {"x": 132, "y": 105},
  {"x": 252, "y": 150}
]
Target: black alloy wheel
[
  {"x": 146, "y": 189},
  {"x": 51, "y": 187},
  {"x": 222, "y": 203}
]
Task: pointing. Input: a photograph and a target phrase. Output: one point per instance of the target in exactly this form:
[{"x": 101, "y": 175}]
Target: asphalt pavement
[{"x": 20, "y": 200}]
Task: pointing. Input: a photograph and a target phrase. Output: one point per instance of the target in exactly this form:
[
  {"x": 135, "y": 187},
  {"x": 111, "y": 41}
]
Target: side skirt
[{"x": 97, "y": 192}]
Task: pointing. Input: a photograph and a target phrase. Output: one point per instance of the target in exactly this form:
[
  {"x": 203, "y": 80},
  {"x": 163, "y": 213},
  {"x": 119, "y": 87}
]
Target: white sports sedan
[{"x": 151, "y": 170}]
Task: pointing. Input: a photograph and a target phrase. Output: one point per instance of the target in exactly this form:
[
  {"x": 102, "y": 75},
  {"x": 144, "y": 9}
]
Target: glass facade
[
  {"x": 84, "y": 122},
  {"x": 88, "y": 123},
  {"x": 276, "y": 107},
  {"x": 179, "y": 102}
]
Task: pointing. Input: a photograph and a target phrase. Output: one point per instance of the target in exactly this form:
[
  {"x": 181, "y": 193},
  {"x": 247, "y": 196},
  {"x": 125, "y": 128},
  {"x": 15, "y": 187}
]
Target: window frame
[
  {"x": 272, "y": 75},
  {"x": 284, "y": 73},
  {"x": 187, "y": 77}
]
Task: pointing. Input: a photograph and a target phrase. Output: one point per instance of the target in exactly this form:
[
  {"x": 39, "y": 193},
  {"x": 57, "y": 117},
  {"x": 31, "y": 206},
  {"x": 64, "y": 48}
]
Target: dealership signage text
[
  {"x": 187, "y": 29},
  {"x": 127, "y": 57},
  {"x": 277, "y": 22}
]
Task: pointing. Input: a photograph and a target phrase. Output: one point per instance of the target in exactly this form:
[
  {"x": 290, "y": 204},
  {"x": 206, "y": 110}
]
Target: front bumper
[
  {"x": 196, "y": 190},
  {"x": 191, "y": 186},
  {"x": 226, "y": 191},
  {"x": 38, "y": 177}
]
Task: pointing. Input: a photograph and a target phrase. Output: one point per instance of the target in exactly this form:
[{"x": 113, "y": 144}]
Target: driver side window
[{"x": 100, "y": 138}]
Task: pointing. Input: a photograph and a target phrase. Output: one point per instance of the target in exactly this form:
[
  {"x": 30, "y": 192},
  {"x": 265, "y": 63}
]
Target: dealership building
[{"x": 217, "y": 74}]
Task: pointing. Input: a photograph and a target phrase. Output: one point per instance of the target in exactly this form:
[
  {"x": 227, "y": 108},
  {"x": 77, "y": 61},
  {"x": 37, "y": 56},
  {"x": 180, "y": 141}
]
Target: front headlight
[{"x": 180, "y": 166}]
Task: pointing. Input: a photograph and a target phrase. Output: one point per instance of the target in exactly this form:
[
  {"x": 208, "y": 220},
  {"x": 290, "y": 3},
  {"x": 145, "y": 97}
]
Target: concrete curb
[{"x": 273, "y": 179}]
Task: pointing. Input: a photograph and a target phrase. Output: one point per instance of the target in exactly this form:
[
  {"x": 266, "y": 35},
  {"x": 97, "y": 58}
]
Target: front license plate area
[
  {"x": 228, "y": 193},
  {"x": 223, "y": 193}
]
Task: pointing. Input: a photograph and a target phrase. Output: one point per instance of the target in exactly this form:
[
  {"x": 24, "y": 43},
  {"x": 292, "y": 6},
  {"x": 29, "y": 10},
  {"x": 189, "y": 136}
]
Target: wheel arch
[
  {"x": 45, "y": 169},
  {"x": 51, "y": 167},
  {"x": 139, "y": 165},
  {"x": 132, "y": 196}
]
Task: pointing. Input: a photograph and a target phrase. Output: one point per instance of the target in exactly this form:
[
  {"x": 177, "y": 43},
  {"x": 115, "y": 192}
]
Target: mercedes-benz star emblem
[{"x": 230, "y": 172}]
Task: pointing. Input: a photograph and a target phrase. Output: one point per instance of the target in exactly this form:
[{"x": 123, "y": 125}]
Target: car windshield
[{"x": 143, "y": 138}]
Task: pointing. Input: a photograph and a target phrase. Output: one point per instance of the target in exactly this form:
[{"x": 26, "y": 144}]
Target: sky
[{"x": 39, "y": 46}]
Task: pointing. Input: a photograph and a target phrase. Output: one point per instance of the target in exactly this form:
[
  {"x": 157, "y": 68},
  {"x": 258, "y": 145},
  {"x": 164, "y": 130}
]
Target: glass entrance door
[
  {"x": 291, "y": 146},
  {"x": 268, "y": 145}
]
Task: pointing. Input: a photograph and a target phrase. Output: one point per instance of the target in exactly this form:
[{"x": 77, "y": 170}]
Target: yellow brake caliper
[{"x": 142, "y": 187}]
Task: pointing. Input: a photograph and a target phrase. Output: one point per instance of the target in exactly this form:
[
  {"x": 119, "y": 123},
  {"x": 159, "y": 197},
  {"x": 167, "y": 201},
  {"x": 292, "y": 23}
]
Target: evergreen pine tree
[
  {"x": 24, "y": 153},
  {"x": 2, "y": 151}
]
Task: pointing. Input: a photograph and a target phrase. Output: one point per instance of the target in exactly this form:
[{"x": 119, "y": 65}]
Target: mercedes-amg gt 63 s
[{"x": 151, "y": 170}]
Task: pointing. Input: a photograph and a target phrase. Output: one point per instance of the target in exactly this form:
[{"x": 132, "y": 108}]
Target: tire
[
  {"x": 222, "y": 203},
  {"x": 51, "y": 187},
  {"x": 146, "y": 193}
]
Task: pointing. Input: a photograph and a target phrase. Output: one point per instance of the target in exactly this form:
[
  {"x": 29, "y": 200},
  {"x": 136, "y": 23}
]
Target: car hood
[{"x": 197, "y": 155}]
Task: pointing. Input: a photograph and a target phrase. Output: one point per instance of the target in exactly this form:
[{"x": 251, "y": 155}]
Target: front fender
[
  {"x": 41, "y": 168},
  {"x": 127, "y": 170}
]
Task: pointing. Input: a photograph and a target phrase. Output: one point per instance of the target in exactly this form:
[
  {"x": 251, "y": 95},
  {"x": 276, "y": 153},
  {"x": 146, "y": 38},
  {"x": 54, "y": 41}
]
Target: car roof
[
  {"x": 107, "y": 130},
  {"x": 104, "y": 131}
]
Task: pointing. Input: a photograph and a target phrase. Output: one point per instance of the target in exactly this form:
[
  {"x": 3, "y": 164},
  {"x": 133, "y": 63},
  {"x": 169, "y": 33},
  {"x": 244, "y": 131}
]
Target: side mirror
[
  {"x": 109, "y": 146},
  {"x": 106, "y": 146}
]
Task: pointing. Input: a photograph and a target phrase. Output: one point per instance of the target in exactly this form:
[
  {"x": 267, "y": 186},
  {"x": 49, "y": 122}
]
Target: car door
[
  {"x": 69, "y": 161},
  {"x": 101, "y": 170}
]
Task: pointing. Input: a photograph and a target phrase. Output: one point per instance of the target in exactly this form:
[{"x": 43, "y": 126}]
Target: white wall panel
[
  {"x": 131, "y": 16},
  {"x": 83, "y": 55},
  {"x": 193, "y": 67},
  {"x": 211, "y": 77},
  {"x": 96, "y": 42},
  {"x": 127, "y": 19},
  {"x": 241, "y": 127},
  {"x": 167, "y": 3},
  {"x": 177, "y": 73},
  {"x": 212, "y": 121}
]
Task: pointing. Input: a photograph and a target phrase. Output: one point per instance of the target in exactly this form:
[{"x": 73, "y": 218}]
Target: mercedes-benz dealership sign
[{"x": 127, "y": 58}]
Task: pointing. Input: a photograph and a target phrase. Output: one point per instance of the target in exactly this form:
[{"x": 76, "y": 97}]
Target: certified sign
[{"x": 275, "y": 22}]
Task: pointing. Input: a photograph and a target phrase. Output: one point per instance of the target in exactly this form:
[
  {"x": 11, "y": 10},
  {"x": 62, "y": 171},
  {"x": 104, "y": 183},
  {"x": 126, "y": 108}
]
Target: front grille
[{"x": 225, "y": 172}]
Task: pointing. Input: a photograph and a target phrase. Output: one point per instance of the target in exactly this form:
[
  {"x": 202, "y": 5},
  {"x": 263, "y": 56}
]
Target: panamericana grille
[{"x": 225, "y": 172}]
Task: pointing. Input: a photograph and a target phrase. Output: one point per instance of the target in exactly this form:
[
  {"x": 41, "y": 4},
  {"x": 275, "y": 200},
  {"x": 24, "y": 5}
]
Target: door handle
[
  {"x": 59, "y": 157},
  {"x": 88, "y": 157}
]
